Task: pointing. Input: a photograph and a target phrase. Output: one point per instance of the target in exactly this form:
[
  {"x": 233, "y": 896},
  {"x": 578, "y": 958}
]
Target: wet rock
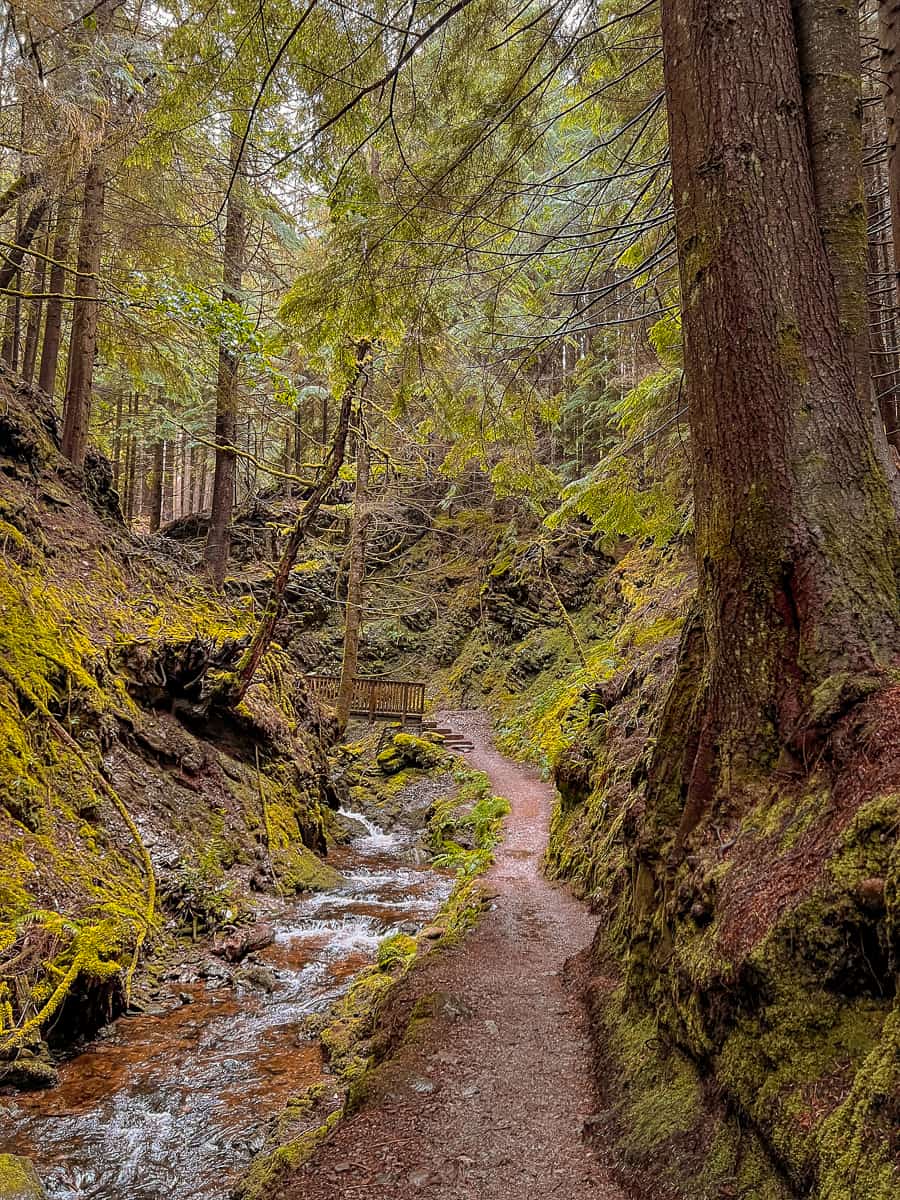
[
  {"x": 241, "y": 942},
  {"x": 432, "y": 933},
  {"x": 216, "y": 974},
  {"x": 349, "y": 827},
  {"x": 193, "y": 761},
  {"x": 258, "y": 976},
  {"x": 422, "y": 1085},
  {"x": 19, "y": 1180},
  {"x": 29, "y": 1068}
]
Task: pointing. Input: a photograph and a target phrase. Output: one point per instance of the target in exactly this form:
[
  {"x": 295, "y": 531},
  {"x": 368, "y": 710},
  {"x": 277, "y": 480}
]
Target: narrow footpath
[{"x": 490, "y": 1103}]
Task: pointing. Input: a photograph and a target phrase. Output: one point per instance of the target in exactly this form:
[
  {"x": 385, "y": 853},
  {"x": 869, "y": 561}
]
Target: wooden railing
[{"x": 373, "y": 696}]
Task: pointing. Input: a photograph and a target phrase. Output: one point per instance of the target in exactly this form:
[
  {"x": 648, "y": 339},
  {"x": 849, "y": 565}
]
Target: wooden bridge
[{"x": 374, "y": 696}]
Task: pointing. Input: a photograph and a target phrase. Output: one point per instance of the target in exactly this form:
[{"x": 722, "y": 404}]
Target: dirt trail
[{"x": 490, "y": 1103}]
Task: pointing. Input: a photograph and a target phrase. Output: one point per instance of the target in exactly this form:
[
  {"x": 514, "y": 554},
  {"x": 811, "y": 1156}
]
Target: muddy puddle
[{"x": 175, "y": 1105}]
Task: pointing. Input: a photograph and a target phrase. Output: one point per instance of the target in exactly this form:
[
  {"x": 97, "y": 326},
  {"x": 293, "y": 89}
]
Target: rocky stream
[{"x": 175, "y": 1101}]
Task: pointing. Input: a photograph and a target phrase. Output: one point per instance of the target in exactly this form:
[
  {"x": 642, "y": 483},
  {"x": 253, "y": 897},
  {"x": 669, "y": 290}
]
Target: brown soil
[{"x": 493, "y": 1101}]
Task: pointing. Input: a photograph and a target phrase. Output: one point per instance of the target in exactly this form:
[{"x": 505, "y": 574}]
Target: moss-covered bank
[{"x": 124, "y": 822}]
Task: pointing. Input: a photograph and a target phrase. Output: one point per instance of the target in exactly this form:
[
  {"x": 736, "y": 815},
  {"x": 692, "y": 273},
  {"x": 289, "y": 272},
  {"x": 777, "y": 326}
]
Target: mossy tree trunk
[
  {"x": 355, "y": 578},
  {"x": 218, "y": 541},
  {"x": 797, "y": 540}
]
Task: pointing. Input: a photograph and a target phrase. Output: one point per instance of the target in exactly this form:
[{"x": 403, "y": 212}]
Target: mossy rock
[
  {"x": 397, "y": 950},
  {"x": 19, "y": 1180},
  {"x": 29, "y": 1072},
  {"x": 300, "y": 870},
  {"x": 406, "y": 750}
]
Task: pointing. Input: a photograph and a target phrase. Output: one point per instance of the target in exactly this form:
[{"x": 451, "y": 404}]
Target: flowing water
[{"x": 174, "y": 1105}]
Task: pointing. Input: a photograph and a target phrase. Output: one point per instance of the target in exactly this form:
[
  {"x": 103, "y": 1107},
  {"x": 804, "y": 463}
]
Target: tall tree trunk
[
  {"x": 355, "y": 576},
  {"x": 35, "y": 311},
  {"x": 170, "y": 480},
  {"x": 25, "y": 236},
  {"x": 83, "y": 343},
  {"x": 889, "y": 40},
  {"x": 11, "y": 275},
  {"x": 186, "y": 458},
  {"x": 133, "y": 455},
  {"x": 117, "y": 443},
  {"x": 217, "y": 542},
  {"x": 157, "y": 481},
  {"x": 883, "y": 329},
  {"x": 830, "y": 58},
  {"x": 10, "y": 351},
  {"x": 797, "y": 540},
  {"x": 199, "y": 500},
  {"x": 53, "y": 320}
]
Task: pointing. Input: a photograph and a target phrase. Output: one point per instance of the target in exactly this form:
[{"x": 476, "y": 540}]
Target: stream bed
[{"x": 175, "y": 1104}]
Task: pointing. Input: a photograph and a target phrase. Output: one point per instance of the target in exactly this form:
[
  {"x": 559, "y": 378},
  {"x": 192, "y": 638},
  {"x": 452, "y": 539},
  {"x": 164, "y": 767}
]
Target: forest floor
[{"x": 494, "y": 1099}]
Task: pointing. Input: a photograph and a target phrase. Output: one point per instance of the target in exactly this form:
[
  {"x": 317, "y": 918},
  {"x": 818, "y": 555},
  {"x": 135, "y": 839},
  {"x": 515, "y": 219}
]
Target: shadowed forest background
[{"x": 545, "y": 355}]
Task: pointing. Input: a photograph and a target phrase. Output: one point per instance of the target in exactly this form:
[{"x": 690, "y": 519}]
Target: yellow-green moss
[
  {"x": 407, "y": 751},
  {"x": 268, "y": 1169},
  {"x": 19, "y": 1180}
]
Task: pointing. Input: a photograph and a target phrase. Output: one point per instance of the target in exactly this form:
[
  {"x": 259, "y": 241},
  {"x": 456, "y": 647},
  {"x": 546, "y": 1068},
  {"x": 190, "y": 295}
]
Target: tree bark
[
  {"x": 830, "y": 58},
  {"x": 16, "y": 189},
  {"x": 355, "y": 578},
  {"x": 13, "y": 258},
  {"x": 199, "y": 501},
  {"x": 217, "y": 542},
  {"x": 883, "y": 332},
  {"x": 131, "y": 475},
  {"x": 157, "y": 481},
  {"x": 796, "y": 536},
  {"x": 889, "y": 38},
  {"x": 117, "y": 443},
  {"x": 53, "y": 319},
  {"x": 83, "y": 343},
  {"x": 10, "y": 350},
  {"x": 35, "y": 311}
]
